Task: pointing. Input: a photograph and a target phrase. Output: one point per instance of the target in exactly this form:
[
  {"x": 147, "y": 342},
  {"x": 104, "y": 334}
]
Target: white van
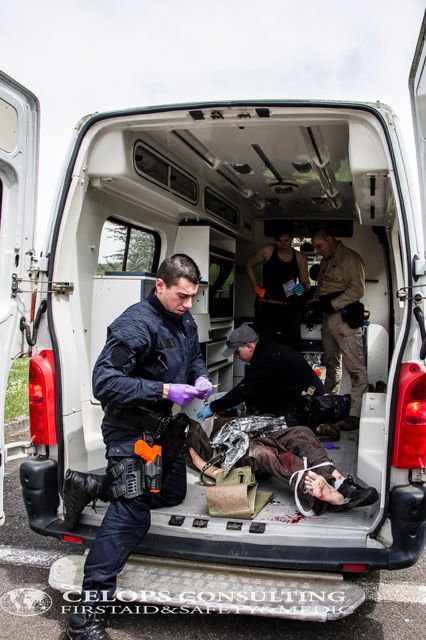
[{"x": 213, "y": 180}]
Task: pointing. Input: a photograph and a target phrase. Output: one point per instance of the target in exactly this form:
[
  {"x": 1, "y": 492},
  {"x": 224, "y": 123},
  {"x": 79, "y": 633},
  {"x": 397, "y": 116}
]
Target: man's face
[
  {"x": 324, "y": 247},
  {"x": 284, "y": 242},
  {"x": 245, "y": 352},
  {"x": 178, "y": 297}
]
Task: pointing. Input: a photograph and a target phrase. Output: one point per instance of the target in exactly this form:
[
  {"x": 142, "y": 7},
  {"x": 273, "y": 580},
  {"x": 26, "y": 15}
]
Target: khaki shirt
[{"x": 343, "y": 271}]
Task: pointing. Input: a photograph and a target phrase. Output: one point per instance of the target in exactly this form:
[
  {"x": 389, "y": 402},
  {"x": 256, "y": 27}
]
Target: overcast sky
[{"x": 82, "y": 56}]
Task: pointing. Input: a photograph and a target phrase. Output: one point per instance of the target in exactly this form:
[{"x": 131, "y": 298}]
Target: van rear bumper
[{"x": 407, "y": 511}]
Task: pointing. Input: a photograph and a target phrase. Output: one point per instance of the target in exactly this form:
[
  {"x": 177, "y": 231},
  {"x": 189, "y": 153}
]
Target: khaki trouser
[{"x": 342, "y": 342}]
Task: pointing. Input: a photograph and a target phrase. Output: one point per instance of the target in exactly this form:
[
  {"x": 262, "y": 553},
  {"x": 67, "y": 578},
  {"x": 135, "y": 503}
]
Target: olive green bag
[{"x": 236, "y": 495}]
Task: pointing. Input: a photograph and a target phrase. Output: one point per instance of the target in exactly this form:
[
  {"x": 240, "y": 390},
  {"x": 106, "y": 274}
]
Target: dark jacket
[
  {"x": 147, "y": 346},
  {"x": 275, "y": 378}
]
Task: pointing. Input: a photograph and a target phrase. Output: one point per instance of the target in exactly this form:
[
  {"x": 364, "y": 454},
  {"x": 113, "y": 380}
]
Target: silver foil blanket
[{"x": 233, "y": 439}]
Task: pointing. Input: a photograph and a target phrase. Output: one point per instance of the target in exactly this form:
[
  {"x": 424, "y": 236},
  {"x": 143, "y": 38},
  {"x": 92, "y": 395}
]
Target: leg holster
[{"x": 127, "y": 478}]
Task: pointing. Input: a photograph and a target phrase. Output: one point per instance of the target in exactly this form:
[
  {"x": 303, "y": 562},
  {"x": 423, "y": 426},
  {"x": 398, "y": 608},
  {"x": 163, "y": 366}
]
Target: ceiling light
[
  {"x": 302, "y": 166},
  {"x": 285, "y": 187},
  {"x": 242, "y": 168},
  {"x": 319, "y": 200}
]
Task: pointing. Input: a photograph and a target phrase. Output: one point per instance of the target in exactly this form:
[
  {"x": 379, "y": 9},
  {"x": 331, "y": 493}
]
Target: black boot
[
  {"x": 354, "y": 495},
  {"x": 87, "y": 626},
  {"x": 79, "y": 490}
]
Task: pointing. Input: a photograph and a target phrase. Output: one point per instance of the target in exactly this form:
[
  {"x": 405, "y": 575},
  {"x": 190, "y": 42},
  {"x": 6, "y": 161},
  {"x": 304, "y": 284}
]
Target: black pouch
[
  {"x": 173, "y": 437},
  {"x": 354, "y": 315},
  {"x": 329, "y": 408},
  {"x": 316, "y": 409}
]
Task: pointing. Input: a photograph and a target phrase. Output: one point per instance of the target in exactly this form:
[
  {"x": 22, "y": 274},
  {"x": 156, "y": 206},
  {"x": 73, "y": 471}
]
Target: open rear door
[
  {"x": 19, "y": 126},
  {"x": 417, "y": 84}
]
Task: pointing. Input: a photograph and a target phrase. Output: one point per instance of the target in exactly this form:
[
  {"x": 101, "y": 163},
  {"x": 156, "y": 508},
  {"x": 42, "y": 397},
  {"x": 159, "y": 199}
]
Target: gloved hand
[
  {"x": 260, "y": 292},
  {"x": 205, "y": 412},
  {"x": 182, "y": 393},
  {"x": 298, "y": 289},
  {"x": 204, "y": 387}
]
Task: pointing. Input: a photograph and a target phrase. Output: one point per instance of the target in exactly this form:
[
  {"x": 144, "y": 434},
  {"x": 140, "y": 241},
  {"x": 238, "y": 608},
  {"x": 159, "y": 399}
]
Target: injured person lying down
[{"x": 293, "y": 455}]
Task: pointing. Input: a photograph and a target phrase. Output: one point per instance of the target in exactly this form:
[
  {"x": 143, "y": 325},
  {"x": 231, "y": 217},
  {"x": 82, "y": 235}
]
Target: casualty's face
[
  {"x": 177, "y": 298},
  {"x": 324, "y": 246},
  {"x": 284, "y": 242}
]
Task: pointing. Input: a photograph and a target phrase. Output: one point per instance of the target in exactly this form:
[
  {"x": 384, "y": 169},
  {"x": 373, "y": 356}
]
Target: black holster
[
  {"x": 353, "y": 314},
  {"x": 173, "y": 437}
]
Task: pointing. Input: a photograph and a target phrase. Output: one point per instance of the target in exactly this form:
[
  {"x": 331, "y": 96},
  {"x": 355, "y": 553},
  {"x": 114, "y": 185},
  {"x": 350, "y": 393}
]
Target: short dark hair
[
  {"x": 321, "y": 233},
  {"x": 177, "y": 266},
  {"x": 283, "y": 229}
]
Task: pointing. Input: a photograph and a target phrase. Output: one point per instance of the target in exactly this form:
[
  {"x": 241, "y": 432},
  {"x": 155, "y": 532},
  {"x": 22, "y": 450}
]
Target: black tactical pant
[{"x": 124, "y": 526}]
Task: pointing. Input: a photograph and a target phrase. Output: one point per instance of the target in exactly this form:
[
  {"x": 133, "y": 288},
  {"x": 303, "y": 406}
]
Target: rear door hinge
[
  {"x": 61, "y": 288},
  {"x": 407, "y": 293},
  {"x": 19, "y": 284}
]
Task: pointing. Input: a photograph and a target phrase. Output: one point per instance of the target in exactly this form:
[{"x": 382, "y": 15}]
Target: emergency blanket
[{"x": 233, "y": 440}]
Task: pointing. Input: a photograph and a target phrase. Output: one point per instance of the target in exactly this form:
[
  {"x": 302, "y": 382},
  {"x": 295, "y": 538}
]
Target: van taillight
[
  {"x": 409, "y": 451},
  {"x": 41, "y": 391}
]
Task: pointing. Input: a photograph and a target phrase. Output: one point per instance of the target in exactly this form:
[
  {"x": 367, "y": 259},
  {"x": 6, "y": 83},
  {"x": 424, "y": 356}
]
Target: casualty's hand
[
  {"x": 205, "y": 412},
  {"x": 182, "y": 393},
  {"x": 260, "y": 292},
  {"x": 204, "y": 387},
  {"x": 298, "y": 289}
]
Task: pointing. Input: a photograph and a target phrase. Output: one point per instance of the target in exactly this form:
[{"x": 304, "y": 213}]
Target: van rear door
[
  {"x": 417, "y": 84},
  {"x": 19, "y": 133}
]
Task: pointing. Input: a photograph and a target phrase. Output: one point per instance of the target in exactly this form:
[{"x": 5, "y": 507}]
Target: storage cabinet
[{"x": 214, "y": 253}]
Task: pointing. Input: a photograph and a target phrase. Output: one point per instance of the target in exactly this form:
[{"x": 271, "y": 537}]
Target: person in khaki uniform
[{"x": 341, "y": 283}]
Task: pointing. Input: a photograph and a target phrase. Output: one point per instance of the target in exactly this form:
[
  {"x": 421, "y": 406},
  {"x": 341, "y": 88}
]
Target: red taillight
[
  {"x": 41, "y": 391},
  {"x": 409, "y": 451},
  {"x": 72, "y": 539},
  {"x": 354, "y": 567}
]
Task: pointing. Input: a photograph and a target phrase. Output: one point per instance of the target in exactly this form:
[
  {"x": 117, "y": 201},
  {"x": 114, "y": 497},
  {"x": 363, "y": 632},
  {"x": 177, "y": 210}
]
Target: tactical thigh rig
[
  {"x": 130, "y": 475},
  {"x": 136, "y": 468}
]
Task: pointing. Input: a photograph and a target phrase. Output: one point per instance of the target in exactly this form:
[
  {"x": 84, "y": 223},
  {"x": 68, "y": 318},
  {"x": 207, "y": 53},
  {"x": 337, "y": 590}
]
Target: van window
[
  {"x": 182, "y": 185},
  {"x": 216, "y": 205},
  {"x": 151, "y": 165},
  {"x": 126, "y": 247}
]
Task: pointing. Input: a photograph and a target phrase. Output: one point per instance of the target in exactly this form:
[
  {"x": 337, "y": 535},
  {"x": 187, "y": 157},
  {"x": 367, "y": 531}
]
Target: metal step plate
[{"x": 181, "y": 584}]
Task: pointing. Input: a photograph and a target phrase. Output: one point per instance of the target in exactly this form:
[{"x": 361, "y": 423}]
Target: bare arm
[
  {"x": 303, "y": 270},
  {"x": 260, "y": 257}
]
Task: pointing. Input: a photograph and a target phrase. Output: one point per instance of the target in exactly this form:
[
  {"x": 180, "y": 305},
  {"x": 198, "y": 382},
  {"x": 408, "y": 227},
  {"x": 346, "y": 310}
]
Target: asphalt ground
[{"x": 394, "y": 609}]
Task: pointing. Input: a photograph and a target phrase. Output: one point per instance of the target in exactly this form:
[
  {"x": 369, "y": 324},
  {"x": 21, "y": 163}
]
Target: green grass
[{"x": 17, "y": 390}]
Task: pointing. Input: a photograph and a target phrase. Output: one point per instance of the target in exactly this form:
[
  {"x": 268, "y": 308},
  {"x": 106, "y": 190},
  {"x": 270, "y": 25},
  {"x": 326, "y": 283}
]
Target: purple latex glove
[
  {"x": 204, "y": 387},
  {"x": 182, "y": 393}
]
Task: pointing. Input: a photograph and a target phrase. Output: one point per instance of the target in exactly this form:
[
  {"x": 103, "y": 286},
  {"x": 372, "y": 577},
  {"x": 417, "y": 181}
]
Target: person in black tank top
[
  {"x": 280, "y": 300},
  {"x": 277, "y": 273}
]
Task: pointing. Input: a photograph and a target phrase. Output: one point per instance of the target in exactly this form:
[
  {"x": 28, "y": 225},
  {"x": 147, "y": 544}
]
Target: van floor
[{"x": 284, "y": 524}]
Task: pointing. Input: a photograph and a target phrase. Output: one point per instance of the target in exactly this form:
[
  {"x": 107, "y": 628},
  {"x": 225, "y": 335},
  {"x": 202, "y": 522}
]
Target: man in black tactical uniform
[
  {"x": 274, "y": 382},
  {"x": 151, "y": 360}
]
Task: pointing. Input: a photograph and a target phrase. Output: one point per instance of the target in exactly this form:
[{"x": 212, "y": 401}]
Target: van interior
[{"x": 214, "y": 182}]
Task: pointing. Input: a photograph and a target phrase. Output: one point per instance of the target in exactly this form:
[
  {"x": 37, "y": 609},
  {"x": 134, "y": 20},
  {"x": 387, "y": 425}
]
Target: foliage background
[{"x": 17, "y": 390}]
